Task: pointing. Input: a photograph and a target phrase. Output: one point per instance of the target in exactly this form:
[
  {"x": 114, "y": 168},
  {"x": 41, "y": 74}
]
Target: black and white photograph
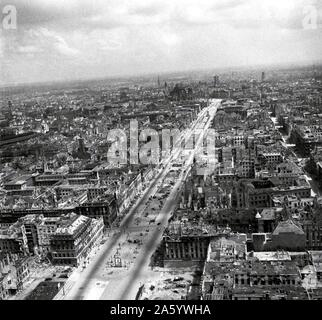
[{"x": 156, "y": 150}]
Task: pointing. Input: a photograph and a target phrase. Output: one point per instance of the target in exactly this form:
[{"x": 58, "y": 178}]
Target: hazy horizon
[
  {"x": 166, "y": 75},
  {"x": 59, "y": 41}
]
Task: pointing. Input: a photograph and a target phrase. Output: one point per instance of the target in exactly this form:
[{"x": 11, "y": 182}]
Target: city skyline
[{"x": 161, "y": 150}]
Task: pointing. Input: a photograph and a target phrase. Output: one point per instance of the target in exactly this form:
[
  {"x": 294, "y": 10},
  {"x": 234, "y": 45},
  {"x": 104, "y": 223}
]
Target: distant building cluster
[{"x": 251, "y": 224}]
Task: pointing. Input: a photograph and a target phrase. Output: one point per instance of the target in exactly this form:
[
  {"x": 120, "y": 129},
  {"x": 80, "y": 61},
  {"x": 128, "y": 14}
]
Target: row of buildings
[
  {"x": 65, "y": 240},
  {"x": 253, "y": 225}
]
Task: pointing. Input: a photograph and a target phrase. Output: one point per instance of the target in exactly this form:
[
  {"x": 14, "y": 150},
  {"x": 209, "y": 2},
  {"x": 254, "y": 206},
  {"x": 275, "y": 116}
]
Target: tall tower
[
  {"x": 81, "y": 145},
  {"x": 9, "y": 110},
  {"x": 263, "y": 76},
  {"x": 216, "y": 80},
  {"x": 314, "y": 72}
]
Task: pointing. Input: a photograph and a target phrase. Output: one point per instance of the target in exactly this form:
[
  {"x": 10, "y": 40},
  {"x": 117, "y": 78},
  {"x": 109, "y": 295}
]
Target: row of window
[{"x": 262, "y": 282}]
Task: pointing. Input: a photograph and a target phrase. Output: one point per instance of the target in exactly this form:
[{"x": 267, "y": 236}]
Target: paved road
[
  {"x": 124, "y": 283},
  {"x": 140, "y": 272}
]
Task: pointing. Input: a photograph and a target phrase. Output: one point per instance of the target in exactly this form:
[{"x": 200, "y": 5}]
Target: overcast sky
[{"x": 71, "y": 39}]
